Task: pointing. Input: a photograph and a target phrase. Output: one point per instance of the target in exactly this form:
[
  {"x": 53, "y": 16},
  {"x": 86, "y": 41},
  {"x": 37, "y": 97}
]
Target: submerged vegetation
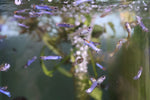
[{"x": 104, "y": 44}]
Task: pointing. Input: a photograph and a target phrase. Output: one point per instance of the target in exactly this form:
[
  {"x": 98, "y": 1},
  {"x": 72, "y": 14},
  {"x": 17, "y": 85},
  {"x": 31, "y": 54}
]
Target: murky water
[{"x": 39, "y": 34}]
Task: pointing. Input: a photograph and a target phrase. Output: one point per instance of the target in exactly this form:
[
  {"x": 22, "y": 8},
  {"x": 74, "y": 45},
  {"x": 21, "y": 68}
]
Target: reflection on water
[{"x": 112, "y": 34}]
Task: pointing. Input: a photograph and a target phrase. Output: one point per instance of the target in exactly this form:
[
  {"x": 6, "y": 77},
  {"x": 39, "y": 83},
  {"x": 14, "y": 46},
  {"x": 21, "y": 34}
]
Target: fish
[
  {"x": 139, "y": 74},
  {"x": 77, "y": 2},
  {"x": 50, "y": 57},
  {"x": 81, "y": 31},
  {"x": 141, "y": 24},
  {"x": 30, "y": 61},
  {"x": 128, "y": 28},
  {"x": 2, "y": 90},
  {"x": 3, "y": 36},
  {"x": 95, "y": 83},
  {"x": 118, "y": 46},
  {"x": 100, "y": 66},
  {"x": 21, "y": 11},
  {"x": 23, "y": 25},
  {"x": 90, "y": 44},
  {"x": 64, "y": 25},
  {"x": 4, "y": 67},
  {"x": 34, "y": 14},
  {"x": 44, "y": 12},
  {"x": 19, "y": 17},
  {"x": 44, "y": 7}
]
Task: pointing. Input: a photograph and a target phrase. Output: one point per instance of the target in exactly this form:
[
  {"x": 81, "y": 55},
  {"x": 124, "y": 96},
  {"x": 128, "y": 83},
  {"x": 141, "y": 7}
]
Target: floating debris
[
  {"x": 3, "y": 90},
  {"x": 139, "y": 74},
  {"x": 30, "y": 61},
  {"x": 51, "y": 57},
  {"x": 95, "y": 83},
  {"x": 4, "y": 67},
  {"x": 100, "y": 66}
]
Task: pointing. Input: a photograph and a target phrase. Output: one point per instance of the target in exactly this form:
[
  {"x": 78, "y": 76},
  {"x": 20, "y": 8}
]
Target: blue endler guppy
[
  {"x": 30, "y": 61},
  {"x": 95, "y": 83},
  {"x": 139, "y": 74},
  {"x": 2, "y": 90},
  {"x": 100, "y": 66},
  {"x": 51, "y": 57}
]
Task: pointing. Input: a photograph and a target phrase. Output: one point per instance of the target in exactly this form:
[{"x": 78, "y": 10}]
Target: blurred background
[{"x": 62, "y": 79}]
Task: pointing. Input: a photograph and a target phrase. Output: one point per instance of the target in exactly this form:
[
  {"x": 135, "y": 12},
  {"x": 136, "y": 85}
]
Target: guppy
[
  {"x": 139, "y": 74},
  {"x": 128, "y": 27},
  {"x": 81, "y": 1},
  {"x": 92, "y": 45},
  {"x": 44, "y": 12},
  {"x": 44, "y": 7},
  {"x": 23, "y": 25},
  {"x": 95, "y": 83},
  {"x": 141, "y": 24},
  {"x": 64, "y": 25},
  {"x": 19, "y": 17},
  {"x": 4, "y": 67},
  {"x": 2, "y": 90},
  {"x": 30, "y": 61},
  {"x": 51, "y": 57},
  {"x": 100, "y": 66}
]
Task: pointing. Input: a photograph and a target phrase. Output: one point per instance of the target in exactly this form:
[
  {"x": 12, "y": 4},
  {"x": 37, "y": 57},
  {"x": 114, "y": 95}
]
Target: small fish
[
  {"x": 139, "y": 74},
  {"x": 3, "y": 36},
  {"x": 44, "y": 12},
  {"x": 30, "y": 61},
  {"x": 81, "y": 31},
  {"x": 95, "y": 83},
  {"x": 18, "y": 2},
  {"x": 51, "y": 57},
  {"x": 4, "y": 67},
  {"x": 77, "y": 2},
  {"x": 141, "y": 24},
  {"x": 34, "y": 14},
  {"x": 44, "y": 7},
  {"x": 23, "y": 25},
  {"x": 20, "y": 11},
  {"x": 118, "y": 46},
  {"x": 5, "y": 92},
  {"x": 90, "y": 44},
  {"x": 19, "y": 17},
  {"x": 100, "y": 66},
  {"x": 64, "y": 25},
  {"x": 128, "y": 27}
]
